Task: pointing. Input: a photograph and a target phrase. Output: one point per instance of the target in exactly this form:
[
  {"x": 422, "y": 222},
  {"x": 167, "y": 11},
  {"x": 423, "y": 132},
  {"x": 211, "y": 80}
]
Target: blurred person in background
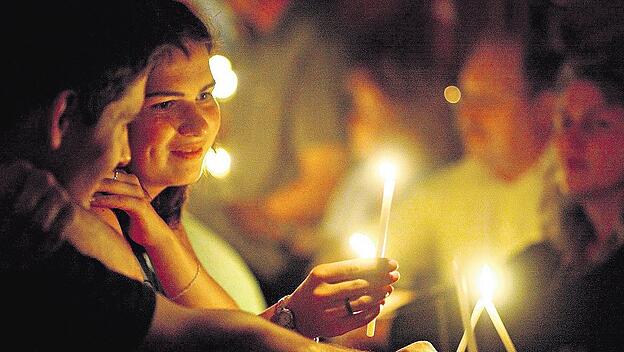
[
  {"x": 566, "y": 292},
  {"x": 397, "y": 78},
  {"x": 487, "y": 204},
  {"x": 398, "y": 114},
  {"x": 284, "y": 131}
]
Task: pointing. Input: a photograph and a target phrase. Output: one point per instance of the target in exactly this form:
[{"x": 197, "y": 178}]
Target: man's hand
[{"x": 36, "y": 212}]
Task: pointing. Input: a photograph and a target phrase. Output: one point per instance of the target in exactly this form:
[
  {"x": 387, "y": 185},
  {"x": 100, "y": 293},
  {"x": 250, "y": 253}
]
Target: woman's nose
[
  {"x": 194, "y": 124},
  {"x": 125, "y": 155}
]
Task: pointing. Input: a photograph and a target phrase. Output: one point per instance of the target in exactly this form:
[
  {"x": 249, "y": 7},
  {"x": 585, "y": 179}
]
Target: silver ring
[
  {"x": 348, "y": 306},
  {"x": 115, "y": 175}
]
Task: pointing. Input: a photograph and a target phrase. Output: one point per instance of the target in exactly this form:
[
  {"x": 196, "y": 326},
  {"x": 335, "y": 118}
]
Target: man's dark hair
[{"x": 94, "y": 49}]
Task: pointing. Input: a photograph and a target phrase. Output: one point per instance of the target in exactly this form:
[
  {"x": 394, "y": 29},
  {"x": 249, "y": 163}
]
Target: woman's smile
[{"x": 188, "y": 153}]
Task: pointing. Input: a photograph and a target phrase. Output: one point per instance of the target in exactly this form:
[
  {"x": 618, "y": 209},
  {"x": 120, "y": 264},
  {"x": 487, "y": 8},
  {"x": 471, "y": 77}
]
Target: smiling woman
[
  {"x": 169, "y": 139},
  {"x": 178, "y": 123}
]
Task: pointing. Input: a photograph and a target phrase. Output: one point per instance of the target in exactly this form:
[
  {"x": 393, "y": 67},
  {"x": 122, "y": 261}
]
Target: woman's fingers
[
  {"x": 359, "y": 303},
  {"x": 122, "y": 183},
  {"x": 117, "y": 201},
  {"x": 369, "y": 300},
  {"x": 351, "y": 322},
  {"x": 356, "y": 287},
  {"x": 350, "y": 290},
  {"x": 373, "y": 269},
  {"x": 122, "y": 176}
]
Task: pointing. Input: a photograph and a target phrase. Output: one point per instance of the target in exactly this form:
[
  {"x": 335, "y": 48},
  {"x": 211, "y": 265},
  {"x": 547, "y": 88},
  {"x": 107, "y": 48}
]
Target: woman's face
[
  {"x": 178, "y": 122},
  {"x": 590, "y": 139}
]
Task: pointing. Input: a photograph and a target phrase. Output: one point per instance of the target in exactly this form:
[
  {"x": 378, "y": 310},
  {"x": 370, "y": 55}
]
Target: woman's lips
[{"x": 188, "y": 154}]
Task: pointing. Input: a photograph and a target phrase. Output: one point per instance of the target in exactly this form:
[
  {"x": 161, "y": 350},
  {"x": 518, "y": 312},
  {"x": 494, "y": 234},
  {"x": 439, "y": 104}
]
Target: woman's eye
[
  {"x": 205, "y": 96},
  {"x": 163, "y": 106}
]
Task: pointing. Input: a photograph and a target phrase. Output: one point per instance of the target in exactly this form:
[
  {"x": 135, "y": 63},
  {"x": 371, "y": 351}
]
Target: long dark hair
[{"x": 168, "y": 204}]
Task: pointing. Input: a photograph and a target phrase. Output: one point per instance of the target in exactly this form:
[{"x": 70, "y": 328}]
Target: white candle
[
  {"x": 487, "y": 283},
  {"x": 500, "y": 327},
  {"x": 385, "y": 214},
  {"x": 388, "y": 171},
  {"x": 474, "y": 318},
  {"x": 468, "y": 339}
]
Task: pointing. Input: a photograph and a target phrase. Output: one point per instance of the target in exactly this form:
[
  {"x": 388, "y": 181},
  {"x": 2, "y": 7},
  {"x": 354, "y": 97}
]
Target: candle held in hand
[{"x": 388, "y": 172}]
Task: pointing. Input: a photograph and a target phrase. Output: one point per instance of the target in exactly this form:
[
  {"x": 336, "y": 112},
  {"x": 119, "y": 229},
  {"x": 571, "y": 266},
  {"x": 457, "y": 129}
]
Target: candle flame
[
  {"x": 388, "y": 170},
  {"x": 487, "y": 283},
  {"x": 363, "y": 245}
]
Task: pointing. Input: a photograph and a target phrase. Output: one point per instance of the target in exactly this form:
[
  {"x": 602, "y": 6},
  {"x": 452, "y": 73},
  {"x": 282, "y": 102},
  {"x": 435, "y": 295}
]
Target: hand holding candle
[{"x": 388, "y": 172}]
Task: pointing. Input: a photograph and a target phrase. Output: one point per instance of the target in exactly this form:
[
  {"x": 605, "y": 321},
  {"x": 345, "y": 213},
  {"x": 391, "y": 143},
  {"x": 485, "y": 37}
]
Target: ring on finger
[{"x": 348, "y": 306}]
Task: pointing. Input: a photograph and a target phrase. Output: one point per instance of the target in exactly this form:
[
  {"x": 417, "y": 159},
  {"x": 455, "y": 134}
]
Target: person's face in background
[
  {"x": 91, "y": 153},
  {"x": 179, "y": 120},
  {"x": 589, "y": 139},
  {"x": 493, "y": 112}
]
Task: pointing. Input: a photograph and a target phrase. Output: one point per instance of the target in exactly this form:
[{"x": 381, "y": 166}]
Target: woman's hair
[
  {"x": 168, "y": 204},
  {"x": 605, "y": 70},
  {"x": 593, "y": 37}
]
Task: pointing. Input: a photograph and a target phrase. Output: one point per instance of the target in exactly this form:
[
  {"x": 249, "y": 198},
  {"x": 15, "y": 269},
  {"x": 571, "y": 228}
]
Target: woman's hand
[
  {"x": 179, "y": 271},
  {"x": 123, "y": 191},
  {"x": 338, "y": 297}
]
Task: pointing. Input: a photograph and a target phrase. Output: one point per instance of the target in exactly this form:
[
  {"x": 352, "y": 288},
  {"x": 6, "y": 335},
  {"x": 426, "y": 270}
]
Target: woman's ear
[{"x": 58, "y": 118}]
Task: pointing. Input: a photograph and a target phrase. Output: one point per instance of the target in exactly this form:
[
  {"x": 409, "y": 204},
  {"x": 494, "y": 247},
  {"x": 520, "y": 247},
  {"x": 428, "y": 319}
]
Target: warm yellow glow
[
  {"x": 220, "y": 63},
  {"x": 452, "y": 94},
  {"x": 217, "y": 162},
  {"x": 388, "y": 170},
  {"x": 225, "y": 78},
  {"x": 487, "y": 283},
  {"x": 363, "y": 245},
  {"x": 226, "y": 86}
]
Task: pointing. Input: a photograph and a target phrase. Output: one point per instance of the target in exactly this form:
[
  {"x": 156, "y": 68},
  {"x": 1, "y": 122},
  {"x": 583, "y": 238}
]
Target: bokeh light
[
  {"x": 217, "y": 162},
  {"x": 362, "y": 245},
  {"x": 452, "y": 94},
  {"x": 225, "y": 78}
]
